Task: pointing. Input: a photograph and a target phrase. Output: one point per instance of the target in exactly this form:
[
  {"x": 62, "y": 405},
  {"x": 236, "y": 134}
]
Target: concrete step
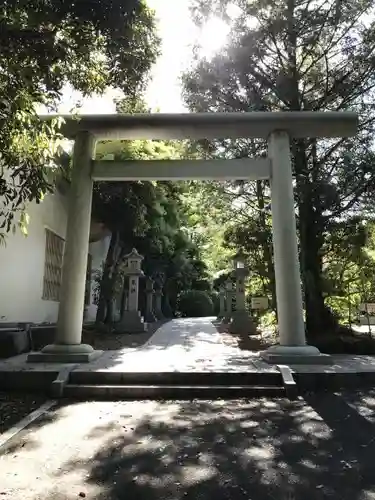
[
  {"x": 128, "y": 392},
  {"x": 254, "y": 378}
]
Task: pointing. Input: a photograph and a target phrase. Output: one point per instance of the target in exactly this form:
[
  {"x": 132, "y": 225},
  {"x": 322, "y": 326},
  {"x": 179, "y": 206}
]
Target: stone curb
[{"x": 57, "y": 386}]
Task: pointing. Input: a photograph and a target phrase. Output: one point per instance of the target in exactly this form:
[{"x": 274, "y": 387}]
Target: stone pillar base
[
  {"x": 132, "y": 322},
  {"x": 295, "y": 355},
  {"x": 64, "y": 353},
  {"x": 242, "y": 324}
]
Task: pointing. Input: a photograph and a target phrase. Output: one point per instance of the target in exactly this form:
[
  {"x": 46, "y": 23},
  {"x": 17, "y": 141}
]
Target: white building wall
[{"x": 22, "y": 264}]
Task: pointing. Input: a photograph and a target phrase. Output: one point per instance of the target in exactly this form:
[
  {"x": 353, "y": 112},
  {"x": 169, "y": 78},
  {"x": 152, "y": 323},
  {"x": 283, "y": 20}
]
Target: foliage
[
  {"x": 346, "y": 344},
  {"x": 348, "y": 268},
  {"x": 30, "y": 147},
  {"x": 295, "y": 55},
  {"x": 195, "y": 303},
  {"x": 149, "y": 216},
  {"x": 207, "y": 213},
  {"x": 44, "y": 46}
]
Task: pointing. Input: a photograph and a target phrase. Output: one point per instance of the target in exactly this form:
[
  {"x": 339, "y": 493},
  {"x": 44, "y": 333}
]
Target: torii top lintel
[{"x": 298, "y": 124}]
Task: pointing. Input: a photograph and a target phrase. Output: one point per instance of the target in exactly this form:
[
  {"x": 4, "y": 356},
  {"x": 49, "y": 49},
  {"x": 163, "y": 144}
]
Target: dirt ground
[
  {"x": 258, "y": 342},
  {"x": 318, "y": 447},
  {"x": 111, "y": 341},
  {"x": 15, "y": 406}
]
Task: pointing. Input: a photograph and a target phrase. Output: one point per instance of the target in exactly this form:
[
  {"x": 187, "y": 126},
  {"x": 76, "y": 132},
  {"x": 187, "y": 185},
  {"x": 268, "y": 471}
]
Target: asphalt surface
[{"x": 319, "y": 447}]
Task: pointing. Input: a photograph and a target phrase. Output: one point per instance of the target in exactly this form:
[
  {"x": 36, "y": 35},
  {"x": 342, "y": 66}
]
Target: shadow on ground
[
  {"x": 320, "y": 447},
  {"x": 186, "y": 344},
  {"x": 245, "y": 342}
]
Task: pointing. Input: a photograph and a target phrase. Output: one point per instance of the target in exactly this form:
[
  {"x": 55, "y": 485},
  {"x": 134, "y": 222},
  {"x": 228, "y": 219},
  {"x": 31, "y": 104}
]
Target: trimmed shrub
[{"x": 195, "y": 303}]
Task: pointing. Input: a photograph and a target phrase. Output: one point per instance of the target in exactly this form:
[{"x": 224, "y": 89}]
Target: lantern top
[
  {"x": 134, "y": 255},
  {"x": 133, "y": 263}
]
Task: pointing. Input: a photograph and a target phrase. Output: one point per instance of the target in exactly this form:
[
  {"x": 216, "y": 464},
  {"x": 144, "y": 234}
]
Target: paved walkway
[{"x": 189, "y": 344}]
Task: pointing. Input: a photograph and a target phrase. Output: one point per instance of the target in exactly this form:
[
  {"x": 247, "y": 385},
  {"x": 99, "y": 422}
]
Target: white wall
[{"x": 22, "y": 264}]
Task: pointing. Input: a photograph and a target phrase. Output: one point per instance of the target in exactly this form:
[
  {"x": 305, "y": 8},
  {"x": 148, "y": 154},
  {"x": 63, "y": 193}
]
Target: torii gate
[{"x": 278, "y": 128}]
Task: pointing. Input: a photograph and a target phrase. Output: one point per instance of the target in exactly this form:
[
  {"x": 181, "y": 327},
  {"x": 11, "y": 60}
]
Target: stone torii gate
[{"x": 277, "y": 128}]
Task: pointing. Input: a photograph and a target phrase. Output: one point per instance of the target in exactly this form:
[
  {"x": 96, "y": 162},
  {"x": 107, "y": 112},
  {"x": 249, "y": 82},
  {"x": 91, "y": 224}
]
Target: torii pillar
[
  {"x": 67, "y": 347},
  {"x": 292, "y": 346}
]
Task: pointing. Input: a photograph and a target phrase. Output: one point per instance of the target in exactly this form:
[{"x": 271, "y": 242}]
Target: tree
[
  {"x": 349, "y": 266},
  {"x": 132, "y": 211},
  {"x": 299, "y": 55},
  {"x": 227, "y": 217},
  {"x": 44, "y": 45},
  {"x": 149, "y": 216}
]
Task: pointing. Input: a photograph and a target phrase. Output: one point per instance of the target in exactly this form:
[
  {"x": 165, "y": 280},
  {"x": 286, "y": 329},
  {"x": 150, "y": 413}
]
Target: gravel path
[{"x": 320, "y": 447}]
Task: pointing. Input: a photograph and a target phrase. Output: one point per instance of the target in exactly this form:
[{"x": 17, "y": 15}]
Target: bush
[
  {"x": 195, "y": 303},
  {"x": 346, "y": 344}
]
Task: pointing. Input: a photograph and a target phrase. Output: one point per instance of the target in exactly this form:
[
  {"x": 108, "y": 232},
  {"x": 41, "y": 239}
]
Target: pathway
[
  {"x": 268, "y": 449},
  {"x": 189, "y": 344}
]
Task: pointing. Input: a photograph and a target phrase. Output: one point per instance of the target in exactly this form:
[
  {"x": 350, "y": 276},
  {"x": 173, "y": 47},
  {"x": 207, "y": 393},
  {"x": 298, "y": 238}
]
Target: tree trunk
[
  {"x": 319, "y": 319},
  {"x": 109, "y": 310},
  {"x": 169, "y": 292},
  {"x": 105, "y": 285},
  {"x": 101, "y": 310},
  {"x": 125, "y": 287},
  {"x": 266, "y": 247},
  {"x": 112, "y": 280}
]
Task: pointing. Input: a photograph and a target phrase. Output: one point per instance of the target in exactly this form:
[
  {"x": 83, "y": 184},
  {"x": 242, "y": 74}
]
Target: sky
[{"x": 178, "y": 34}]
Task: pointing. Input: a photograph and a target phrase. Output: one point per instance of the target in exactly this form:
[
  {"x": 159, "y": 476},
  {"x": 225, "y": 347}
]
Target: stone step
[
  {"x": 129, "y": 392},
  {"x": 176, "y": 378}
]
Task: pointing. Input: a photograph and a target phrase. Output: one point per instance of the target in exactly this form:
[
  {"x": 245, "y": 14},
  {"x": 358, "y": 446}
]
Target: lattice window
[{"x": 52, "y": 266}]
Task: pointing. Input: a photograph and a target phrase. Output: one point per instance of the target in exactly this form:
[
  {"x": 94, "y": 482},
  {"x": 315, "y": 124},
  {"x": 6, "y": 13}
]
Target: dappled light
[
  {"x": 195, "y": 345},
  {"x": 263, "y": 449},
  {"x": 181, "y": 345}
]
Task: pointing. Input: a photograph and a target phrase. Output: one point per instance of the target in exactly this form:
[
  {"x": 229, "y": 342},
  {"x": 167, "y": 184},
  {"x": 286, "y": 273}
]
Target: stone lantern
[
  {"x": 241, "y": 322},
  {"x": 132, "y": 321}
]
